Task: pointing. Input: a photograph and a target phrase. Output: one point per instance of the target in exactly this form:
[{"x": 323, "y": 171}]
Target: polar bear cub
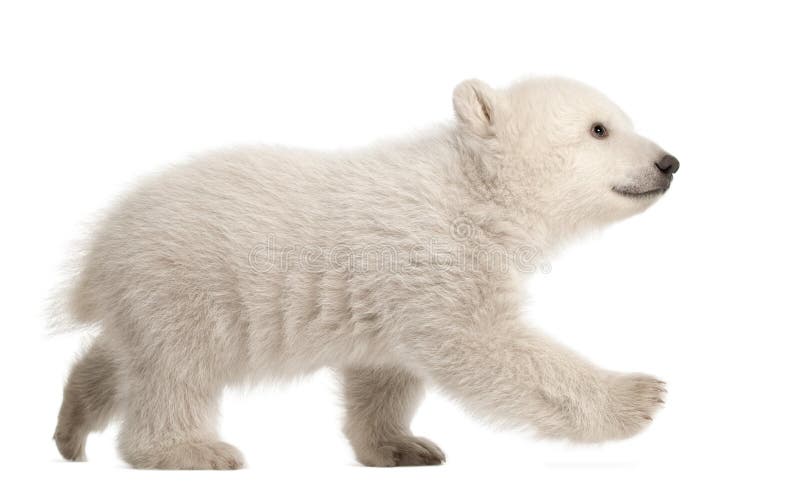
[{"x": 397, "y": 265}]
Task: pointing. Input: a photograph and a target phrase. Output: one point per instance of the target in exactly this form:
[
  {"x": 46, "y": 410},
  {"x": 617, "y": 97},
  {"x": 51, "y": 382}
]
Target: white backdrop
[{"x": 700, "y": 290}]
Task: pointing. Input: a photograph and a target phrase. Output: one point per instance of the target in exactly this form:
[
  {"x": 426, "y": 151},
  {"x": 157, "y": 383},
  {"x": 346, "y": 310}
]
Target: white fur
[{"x": 249, "y": 264}]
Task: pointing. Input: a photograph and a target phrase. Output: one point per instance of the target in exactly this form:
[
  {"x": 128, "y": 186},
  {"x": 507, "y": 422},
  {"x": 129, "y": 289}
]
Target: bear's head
[{"x": 558, "y": 151}]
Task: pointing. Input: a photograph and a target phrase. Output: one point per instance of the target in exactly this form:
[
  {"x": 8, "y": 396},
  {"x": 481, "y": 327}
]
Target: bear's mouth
[{"x": 637, "y": 193}]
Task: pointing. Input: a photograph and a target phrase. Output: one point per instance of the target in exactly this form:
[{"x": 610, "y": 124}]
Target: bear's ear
[{"x": 475, "y": 105}]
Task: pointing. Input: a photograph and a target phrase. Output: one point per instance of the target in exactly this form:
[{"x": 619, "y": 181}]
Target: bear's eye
[{"x": 599, "y": 131}]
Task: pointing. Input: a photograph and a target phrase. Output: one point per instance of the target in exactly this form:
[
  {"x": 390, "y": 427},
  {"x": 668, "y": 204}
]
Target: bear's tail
[
  {"x": 74, "y": 301},
  {"x": 73, "y": 306}
]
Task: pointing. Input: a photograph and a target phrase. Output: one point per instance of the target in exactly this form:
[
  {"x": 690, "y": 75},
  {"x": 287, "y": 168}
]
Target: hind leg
[
  {"x": 176, "y": 367},
  {"x": 380, "y": 403},
  {"x": 170, "y": 420},
  {"x": 90, "y": 400}
]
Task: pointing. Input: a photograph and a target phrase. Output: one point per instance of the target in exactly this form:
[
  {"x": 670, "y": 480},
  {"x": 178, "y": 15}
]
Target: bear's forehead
[{"x": 563, "y": 95}]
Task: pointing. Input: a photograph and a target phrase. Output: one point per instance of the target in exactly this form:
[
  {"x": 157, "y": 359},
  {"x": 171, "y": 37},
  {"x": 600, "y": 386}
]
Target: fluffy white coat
[{"x": 397, "y": 265}]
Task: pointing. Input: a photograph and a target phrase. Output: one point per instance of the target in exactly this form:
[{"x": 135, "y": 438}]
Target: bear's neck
[{"x": 513, "y": 221}]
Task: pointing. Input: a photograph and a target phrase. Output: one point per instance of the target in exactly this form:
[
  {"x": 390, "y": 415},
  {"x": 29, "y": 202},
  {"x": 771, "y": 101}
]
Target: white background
[{"x": 701, "y": 290}]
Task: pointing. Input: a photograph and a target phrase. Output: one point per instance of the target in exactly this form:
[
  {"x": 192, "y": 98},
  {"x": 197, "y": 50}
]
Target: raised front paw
[
  {"x": 401, "y": 451},
  {"x": 633, "y": 399}
]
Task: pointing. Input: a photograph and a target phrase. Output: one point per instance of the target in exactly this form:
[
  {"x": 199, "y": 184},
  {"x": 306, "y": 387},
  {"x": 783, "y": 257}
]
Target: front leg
[
  {"x": 506, "y": 373},
  {"x": 380, "y": 403}
]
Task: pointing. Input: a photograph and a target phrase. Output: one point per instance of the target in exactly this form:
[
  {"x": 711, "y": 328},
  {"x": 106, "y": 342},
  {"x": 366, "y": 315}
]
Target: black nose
[{"x": 668, "y": 164}]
